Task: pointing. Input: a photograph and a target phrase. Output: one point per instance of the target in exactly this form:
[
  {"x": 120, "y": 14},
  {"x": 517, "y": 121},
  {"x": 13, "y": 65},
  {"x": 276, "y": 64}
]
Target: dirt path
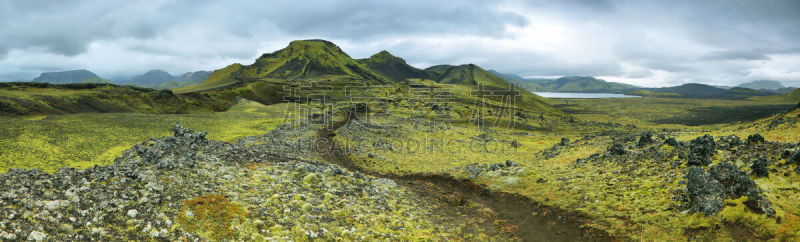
[{"x": 529, "y": 221}]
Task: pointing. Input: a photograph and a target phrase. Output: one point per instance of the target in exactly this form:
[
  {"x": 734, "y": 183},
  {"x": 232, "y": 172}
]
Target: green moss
[
  {"x": 84, "y": 140},
  {"x": 736, "y": 212},
  {"x": 211, "y": 216}
]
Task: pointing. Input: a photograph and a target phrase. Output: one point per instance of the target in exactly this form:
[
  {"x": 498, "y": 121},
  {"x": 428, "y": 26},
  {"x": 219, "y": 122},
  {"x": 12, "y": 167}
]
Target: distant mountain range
[
  {"x": 700, "y": 91},
  {"x": 580, "y": 84},
  {"x": 768, "y": 86},
  {"x": 157, "y": 79},
  {"x": 320, "y": 59},
  {"x": 65, "y": 77},
  {"x": 763, "y": 84}
]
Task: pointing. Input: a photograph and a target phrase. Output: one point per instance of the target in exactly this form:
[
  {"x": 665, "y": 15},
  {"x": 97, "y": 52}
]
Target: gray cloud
[{"x": 641, "y": 42}]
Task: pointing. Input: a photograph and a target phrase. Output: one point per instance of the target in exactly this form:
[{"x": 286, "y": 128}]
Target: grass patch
[{"x": 84, "y": 140}]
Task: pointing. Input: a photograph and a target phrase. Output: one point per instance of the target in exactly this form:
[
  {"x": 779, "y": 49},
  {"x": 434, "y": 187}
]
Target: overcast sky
[{"x": 646, "y": 43}]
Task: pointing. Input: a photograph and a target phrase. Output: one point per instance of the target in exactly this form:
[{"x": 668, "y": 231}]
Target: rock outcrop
[
  {"x": 708, "y": 190},
  {"x": 701, "y": 150}
]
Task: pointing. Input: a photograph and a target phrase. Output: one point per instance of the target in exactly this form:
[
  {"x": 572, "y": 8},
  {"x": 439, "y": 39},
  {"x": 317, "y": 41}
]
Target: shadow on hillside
[{"x": 721, "y": 115}]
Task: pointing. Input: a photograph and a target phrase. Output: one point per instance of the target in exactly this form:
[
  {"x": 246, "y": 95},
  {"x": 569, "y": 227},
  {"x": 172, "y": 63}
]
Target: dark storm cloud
[
  {"x": 648, "y": 43},
  {"x": 355, "y": 19}
]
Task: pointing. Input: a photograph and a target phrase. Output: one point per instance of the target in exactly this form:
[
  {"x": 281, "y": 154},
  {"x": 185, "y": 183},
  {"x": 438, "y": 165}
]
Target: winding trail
[{"x": 529, "y": 220}]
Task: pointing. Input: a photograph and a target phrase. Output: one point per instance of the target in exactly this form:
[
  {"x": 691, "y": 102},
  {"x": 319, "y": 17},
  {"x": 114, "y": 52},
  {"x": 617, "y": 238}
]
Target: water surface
[{"x": 582, "y": 95}]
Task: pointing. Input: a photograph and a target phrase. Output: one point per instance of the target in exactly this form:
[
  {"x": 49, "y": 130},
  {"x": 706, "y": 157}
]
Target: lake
[{"x": 581, "y": 95}]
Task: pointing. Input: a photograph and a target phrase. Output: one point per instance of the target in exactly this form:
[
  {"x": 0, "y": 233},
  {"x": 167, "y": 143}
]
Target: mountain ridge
[
  {"x": 71, "y": 76},
  {"x": 393, "y": 67}
]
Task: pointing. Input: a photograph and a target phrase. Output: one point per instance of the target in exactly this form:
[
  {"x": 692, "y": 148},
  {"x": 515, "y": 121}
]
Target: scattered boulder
[
  {"x": 629, "y": 138},
  {"x": 617, "y": 149},
  {"x": 738, "y": 184},
  {"x": 759, "y": 167},
  {"x": 564, "y": 142},
  {"x": 360, "y": 108},
  {"x": 755, "y": 139},
  {"x": 729, "y": 142},
  {"x": 645, "y": 139},
  {"x": 672, "y": 142},
  {"x": 701, "y": 150},
  {"x": 707, "y": 190},
  {"x": 705, "y": 194},
  {"x": 795, "y": 159}
]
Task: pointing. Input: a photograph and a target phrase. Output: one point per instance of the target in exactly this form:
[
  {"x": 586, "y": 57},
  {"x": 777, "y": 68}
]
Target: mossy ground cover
[
  {"x": 83, "y": 140},
  {"x": 630, "y": 197}
]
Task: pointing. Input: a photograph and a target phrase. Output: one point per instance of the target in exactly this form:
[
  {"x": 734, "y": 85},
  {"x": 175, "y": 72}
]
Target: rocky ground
[{"x": 187, "y": 187}]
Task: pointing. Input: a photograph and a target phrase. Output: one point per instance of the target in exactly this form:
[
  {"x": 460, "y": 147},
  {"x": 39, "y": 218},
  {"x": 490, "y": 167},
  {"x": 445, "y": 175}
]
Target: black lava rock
[
  {"x": 645, "y": 139},
  {"x": 760, "y": 167},
  {"x": 617, "y": 149},
  {"x": 729, "y": 142},
  {"x": 701, "y": 150},
  {"x": 672, "y": 142},
  {"x": 795, "y": 159},
  {"x": 707, "y": 190},
  {"x": 705, "y": 194},
  {"x": 564, "y": 142},
  {"x": 755, "y": 138},
  {"x": 738, "y": 184}
]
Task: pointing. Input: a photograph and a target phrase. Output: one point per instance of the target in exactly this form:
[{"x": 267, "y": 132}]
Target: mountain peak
[
  {"x": 301, "y": 59},
  {"x": 151, "y": 78},
  {"x": 312, "y": 45},
  {"x": 384, "y": 57}
]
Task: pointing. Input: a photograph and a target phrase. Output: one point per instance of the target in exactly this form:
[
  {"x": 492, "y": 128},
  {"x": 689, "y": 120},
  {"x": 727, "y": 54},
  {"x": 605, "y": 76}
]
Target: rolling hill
[
  {"x": 187, "y": 79},
  {"x": 700, "y": 91},
  {"x": 151, "y": 78},
  {"x": 73, "y": 76},
  {"x": 793, "y": 96},
  {"x": 763, "y": 84},
  {"x": 468, "y": 75},
  {"x": 580, "y": 84},
  {"x": 392, "y": 67},
  {"x": 26, "y": 99},
  {"x": 508, "y": 77}
]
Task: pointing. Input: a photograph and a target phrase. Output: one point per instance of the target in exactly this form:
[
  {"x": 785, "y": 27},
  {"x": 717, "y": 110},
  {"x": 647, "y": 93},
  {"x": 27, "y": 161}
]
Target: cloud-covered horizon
[{"x": 645, "y": 43}]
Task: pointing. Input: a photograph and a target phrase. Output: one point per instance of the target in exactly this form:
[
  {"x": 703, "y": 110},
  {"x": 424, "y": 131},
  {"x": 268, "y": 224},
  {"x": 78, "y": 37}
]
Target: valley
[{"x": 307, "y": 143}]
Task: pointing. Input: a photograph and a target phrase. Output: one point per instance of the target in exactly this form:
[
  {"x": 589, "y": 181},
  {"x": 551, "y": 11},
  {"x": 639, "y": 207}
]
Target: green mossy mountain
[
  {"x": 66, "y": 77},
  {"x": 583, "y": 84},
  {"x": 580, "y": 84},
  {"x": 392, "y": 67},
  {"x": 467, "y": 75},
  {"x": 321, "y": 63},
  {"x": 302, "y": 59},
  {"x": 473, "y": 76}
]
